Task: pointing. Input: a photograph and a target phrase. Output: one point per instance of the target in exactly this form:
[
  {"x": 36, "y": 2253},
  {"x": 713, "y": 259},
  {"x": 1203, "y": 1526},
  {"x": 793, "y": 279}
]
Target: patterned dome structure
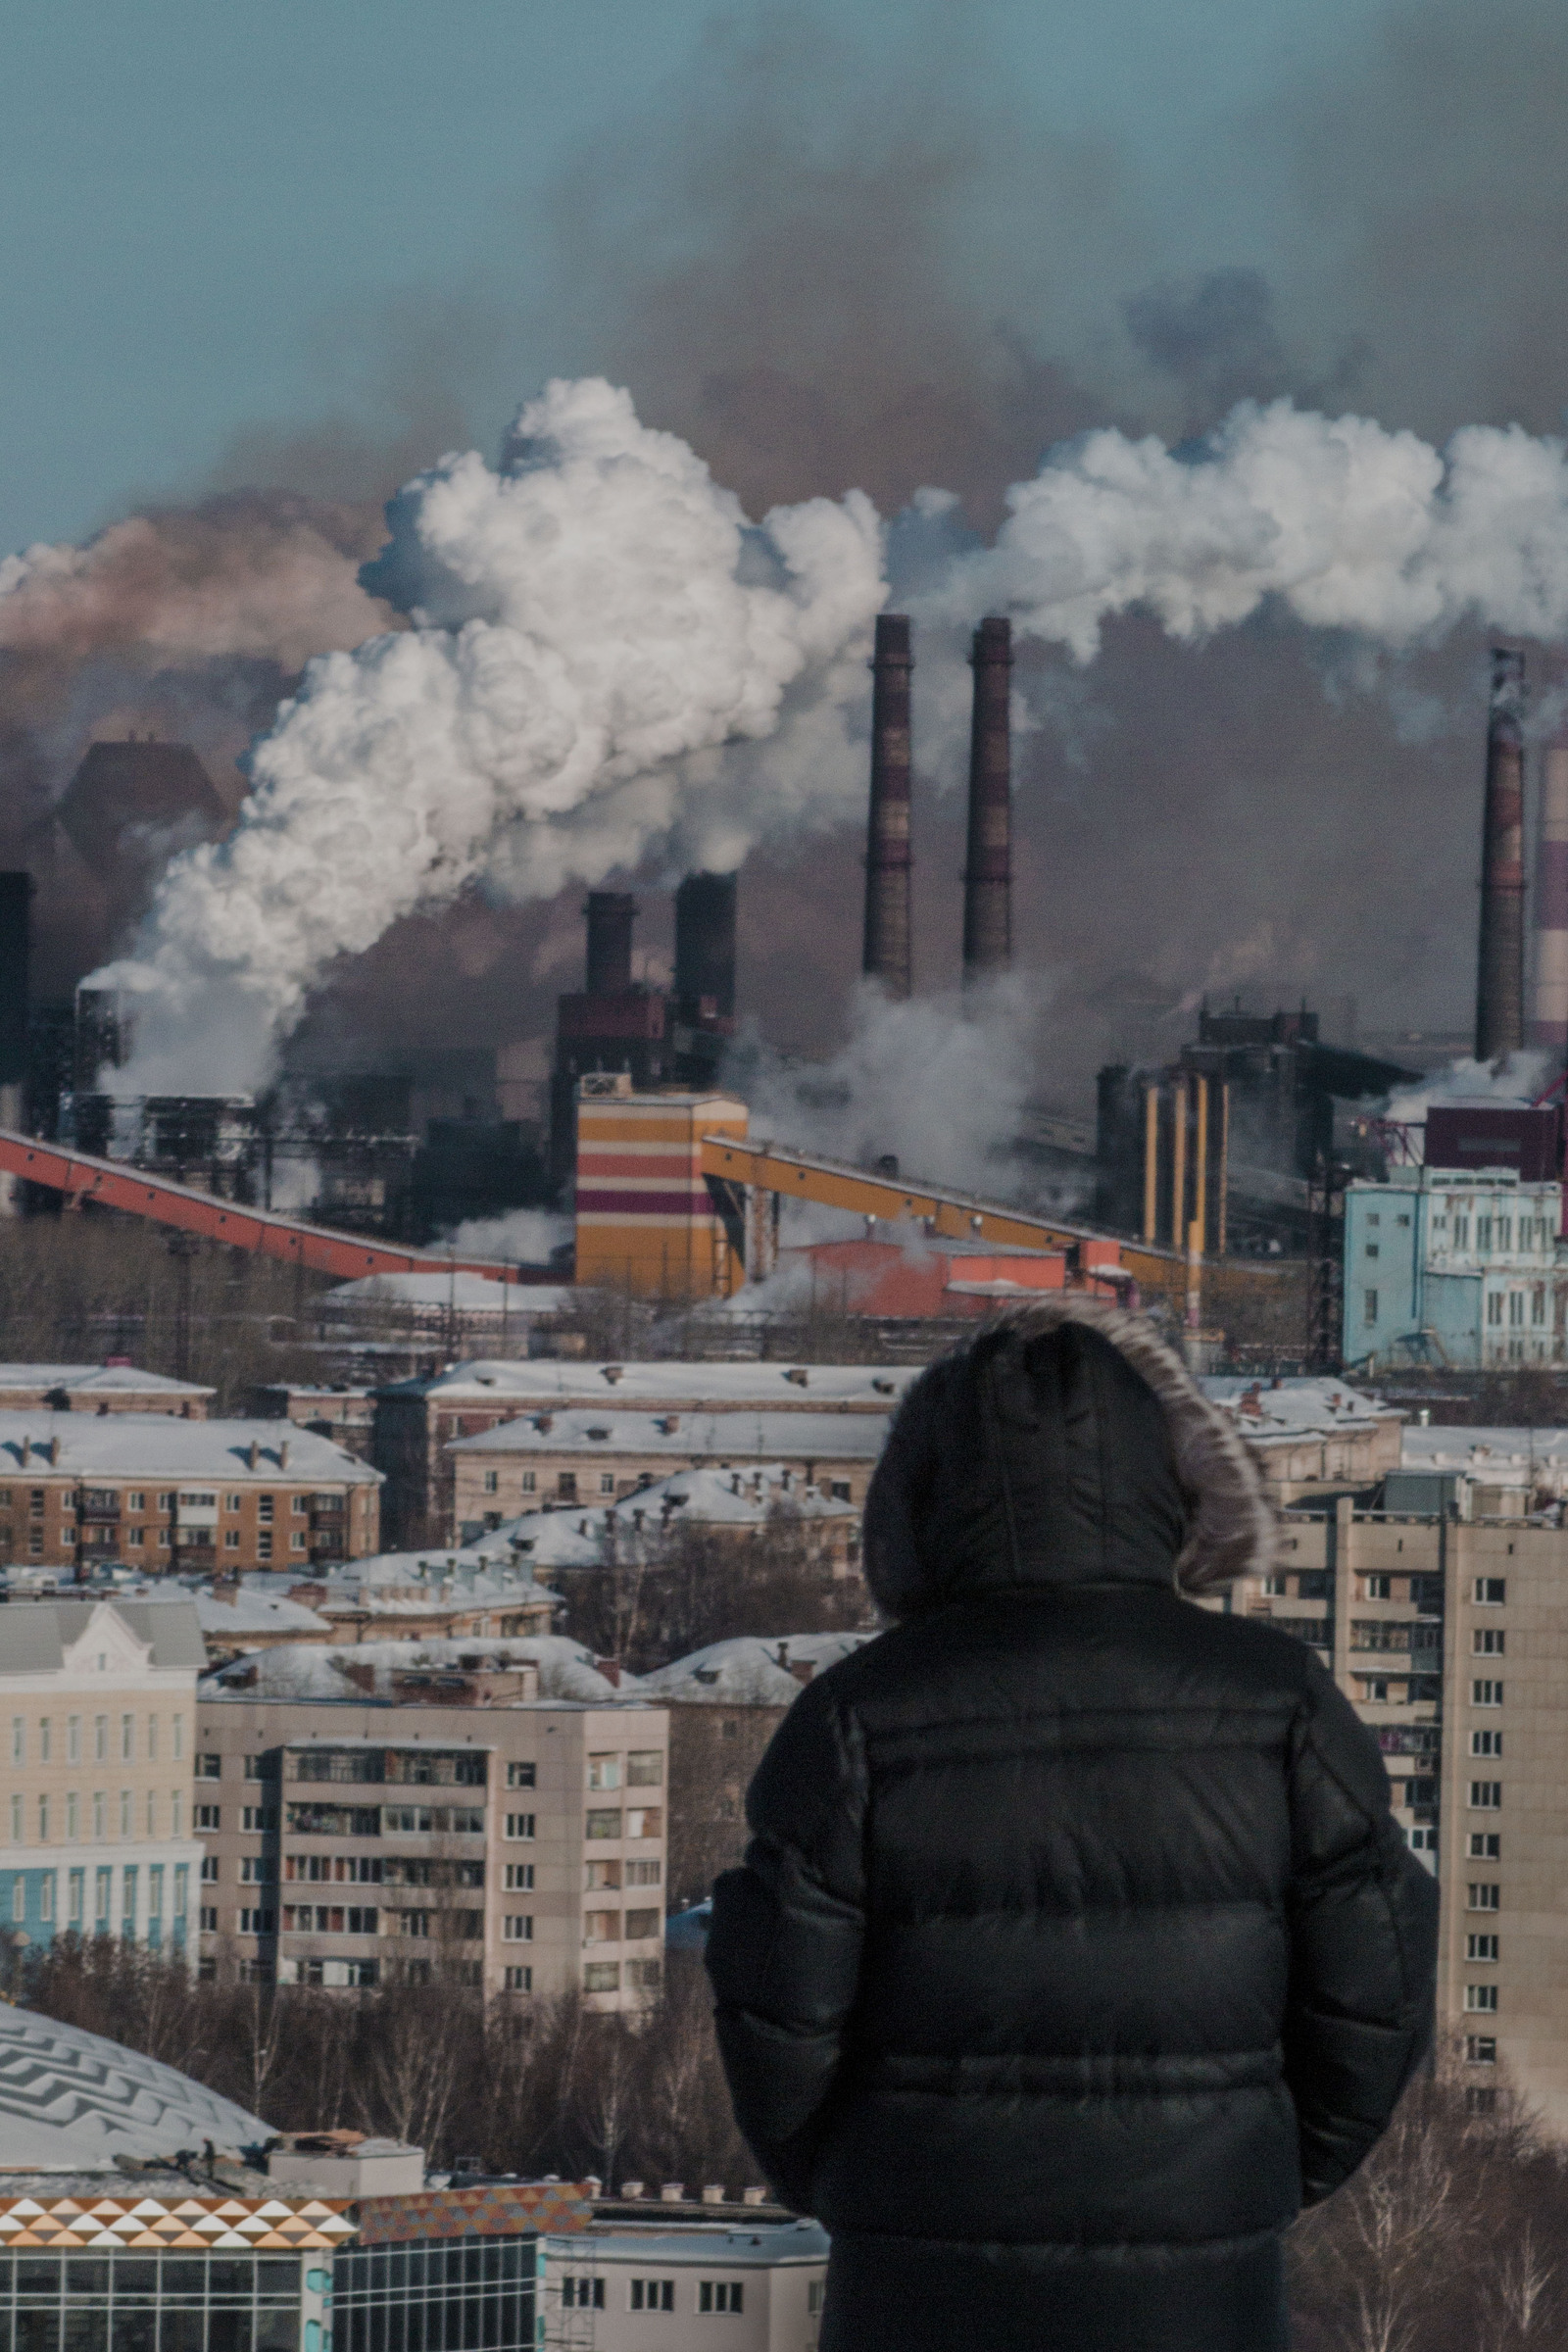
[{"x": 72, "y": 2101}]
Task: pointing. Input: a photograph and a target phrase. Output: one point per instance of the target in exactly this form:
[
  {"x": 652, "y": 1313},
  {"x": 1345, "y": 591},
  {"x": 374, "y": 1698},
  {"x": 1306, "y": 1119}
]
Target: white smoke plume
[
  {"x": 593, "y": 625},
  {"x": 607, "y": 660},
  {"x": 1518, "y": 1078},
  {"x": 1351, "y": 526},
  {"x": 521, "y": 1236}
]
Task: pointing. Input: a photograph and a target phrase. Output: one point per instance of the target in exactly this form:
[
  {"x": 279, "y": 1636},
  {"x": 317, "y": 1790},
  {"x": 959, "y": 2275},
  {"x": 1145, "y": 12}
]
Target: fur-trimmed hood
[{"x": 1066, "y": 1443}]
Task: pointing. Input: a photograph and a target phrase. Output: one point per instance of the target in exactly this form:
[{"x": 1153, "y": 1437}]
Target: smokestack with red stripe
[
  {"x": 1500, "y": 968},
  {"x": 887, "y": 849},
  {"x": 1548, "y": 1008},
  {"x": 988, "y": 870}
]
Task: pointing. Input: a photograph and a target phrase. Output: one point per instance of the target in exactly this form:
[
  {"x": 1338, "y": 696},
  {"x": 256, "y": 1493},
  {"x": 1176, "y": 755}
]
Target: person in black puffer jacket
[{"x": 1075, "y": 1945}]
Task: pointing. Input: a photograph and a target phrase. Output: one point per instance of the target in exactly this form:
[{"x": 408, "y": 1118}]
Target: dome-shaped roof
[{"x": 73, "y": 2101}]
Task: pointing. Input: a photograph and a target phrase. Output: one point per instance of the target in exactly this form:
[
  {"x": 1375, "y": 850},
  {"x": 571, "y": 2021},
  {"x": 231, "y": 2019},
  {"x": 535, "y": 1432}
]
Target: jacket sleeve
[
  {"x": 1363, "y": 1943},
  {"x": 784, "y": 1946}
]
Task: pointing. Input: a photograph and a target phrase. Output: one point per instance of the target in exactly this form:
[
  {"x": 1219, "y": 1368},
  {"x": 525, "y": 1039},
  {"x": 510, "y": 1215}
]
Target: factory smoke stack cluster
[
  {"x": 988, "y": 866},
  {"x": 1500, "y": 966},
  {"x": 887, "y": 849}
]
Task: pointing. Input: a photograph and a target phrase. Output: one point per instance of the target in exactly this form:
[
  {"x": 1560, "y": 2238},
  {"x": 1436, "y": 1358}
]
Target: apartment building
[
  {"x": 1309, "y": 1432},
  {"x": 660, "y": 2291},
  {"x": 116, "y": 1386},
  {"x": 570, "y": 1458},
  {"x": 98, "y": 1708},
  {"x": 1451, "y": 1639},
  {"x": 79, "y": 1490},
  {"x": 442, "y": 1821},
  {"x": 1449, "y": 1266},
  {"x": 417, "y": 1420}
]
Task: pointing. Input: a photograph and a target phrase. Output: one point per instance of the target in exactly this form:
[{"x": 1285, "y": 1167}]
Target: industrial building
[
  {"x": 512, "y": 1841},
  {"x": 97, "y": 1830}
]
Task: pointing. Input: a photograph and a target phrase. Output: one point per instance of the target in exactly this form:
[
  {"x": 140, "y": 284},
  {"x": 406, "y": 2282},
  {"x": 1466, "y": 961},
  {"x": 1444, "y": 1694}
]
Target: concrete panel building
[
  {"x": 1450, "y": 1267},
  {"x": 661, "y": 2290},
  {"x": 1451, "y": 1639},
  {"x": 98, "y": 1709},
  {"x": 79, "y": 1491},
  {"x": 500, "y": 1839}
]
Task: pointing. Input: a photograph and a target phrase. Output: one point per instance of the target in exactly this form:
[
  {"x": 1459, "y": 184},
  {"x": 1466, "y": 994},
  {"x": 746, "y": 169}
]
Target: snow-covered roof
[
  {"x": 310, "y": 1671},
  {"x": 553, "y": 1380},
  {"x": 1300, "y": 1407},
  {"x": 34, "y": 1635},
  {"x": 764, "y": 2249},
  {"x": 747, "y": 1671},
  {"x": 1488, "y": 1454},
  {"x": 400, "y": 1582},
  {"x": 575, "y": 1538},
  {"x": 732, "y": 1437},
  {"x": 227, "y": 1619},
  {"x": 464, "y": 1293},
  {"x": 155, "y": 1445},
  {"x": 72, "y": 2101},
  {"x": 98, "y": 1380}
]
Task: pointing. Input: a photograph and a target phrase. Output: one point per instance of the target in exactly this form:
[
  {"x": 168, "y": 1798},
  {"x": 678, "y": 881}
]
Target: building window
[
  {"x": 231, "y": 1539},
  {"x": 182, "y": 1888},
  {"x": 517, "y": 1928},
  {"x": 1370, "y": 1306},
  {"x": 302, "y": 1504},
  {"x": 209, "y": 1767},
  {"x": 1480, "y": 2100},
  {"x": 1423, "y": 1841},
  {"x": 264, "y": 1543},
  {"x": 1486, "y": 1694},
  {"x": 601, "y": 1976},
  {"x": 1379, "y": 1587},
  {"x": 100, "y": 1817},
  {"x": 16, "y": 1821},
  {"x": 603, "y": 1822},
  {"x": 603, "y": 1772},
  {"x": 1481, "y": 2049},
  {"x": 1485, "y": 1796},
  {"x": 124, "y": 1813},
  {"x": 601, "y": 1927},
  {"x": 646, "y": 1820},
  {"x": 1516, "y": 1308},
  {"x": 721, "y": 2294},
  {"x": 73, "y": 1739},
  {"x": 209, "y": 1817},
  {"x": 519, "y": 1979},
  {"x": 1481, "y": 1996},
  {"x": 128, "y": 1739},
  {"x": 531, "y": 1482},
  {"x": 520, "y": 1877},
  {"x": 640, "y": 1925},
  {"x": 1483, "y": 1236},
  {"x": 582, "y": 2294},
  {"x": 1492, "y": 1591},
  {"x": 45, "y": 1738},
  {"x": 645, "y": 1767},
  {"x": 522, "y": 1775},
  {"x": 1538, "y": 1304},
  {"x": 1372, "y": 1249},
  {"x": 1489, "y": 1641},
  {"x": 1484, "y": 1895},
  {"x": 19, "y": 1739},
  {"x": 492, "y": 1482},
  {"x": 1485, "y": 1743},
  {"x": 644, "y": 1873},
  {"x": 73, "y": 1815},
  {"x": 1374, "y": 1692},
  {"x": 210, "y": 1870},
  {"x": 1481, "y": 1948},
  {"x": 519, "y": 1825},
  {"x": 257, "y": 1922},
  {"x": 653, "y": 2294}
]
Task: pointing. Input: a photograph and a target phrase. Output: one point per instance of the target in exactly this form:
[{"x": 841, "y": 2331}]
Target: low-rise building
[
  {"x": 740, "y": 1506},
  {"x": 1457, "y": 1269},
  {"x": 98, "y": 1700},
  {"x": 661, "y": 2290},
  {"x": 116, "y": 1386},
  {"x": 80, "y": 1491},
  {"x": 427, "y": 1815},
  {"x": 416, "y": 1420},
  {"x": 419, "y": 1594},
  {"x": 345, "y": 1415},
  {"x": 1310, "y": 1432},
  {"x": 599, "y": 1456}
]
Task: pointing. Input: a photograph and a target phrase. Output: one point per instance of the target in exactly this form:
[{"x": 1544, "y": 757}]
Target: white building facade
[{"x": 98, "y": 1734}]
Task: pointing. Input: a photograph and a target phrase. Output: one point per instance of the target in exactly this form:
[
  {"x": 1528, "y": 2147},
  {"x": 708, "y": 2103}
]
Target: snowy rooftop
[
  {"x": 575, "y": 1538},
  {"x": 559, "y": 1381},
  {"x": 728, "y": 1437},
  {"x": 156, "y": 1446},
  {"x": 746, "y": 1672},
  {"x": 97, "y": 1380},
  {"x": 308, "y": 1671},
  {"x": 1483, "y": 1451},
  {"x": 34, "y": 1635},
  {"x": 397, "y": 1582},
  {"x": 462, "y": 1294},
  {"x": 1294, "y": 1407},
  {"x": 760, "y": 2250}
]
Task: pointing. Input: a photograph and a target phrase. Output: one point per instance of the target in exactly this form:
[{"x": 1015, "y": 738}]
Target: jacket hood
[{"x": 1066, "y": 1445}]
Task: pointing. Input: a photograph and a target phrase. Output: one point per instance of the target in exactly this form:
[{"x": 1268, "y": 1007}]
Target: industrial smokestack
[
  {"x": 16, "y": 929},
  {"x": 887, "y": 848},
  {"x": 1500, "y": 968},
  {"x": 611, "y": 915},
  {"x": 1549, "y": 1010},
  {"x": 705, "y": 944},
  {"x": 988, "y": 869}
]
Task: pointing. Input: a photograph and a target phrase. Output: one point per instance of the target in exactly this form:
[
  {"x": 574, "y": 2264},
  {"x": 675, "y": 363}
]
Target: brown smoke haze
[{"x": 825, "y": 277}]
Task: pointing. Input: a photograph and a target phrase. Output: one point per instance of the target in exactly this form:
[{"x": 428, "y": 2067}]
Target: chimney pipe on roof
[
  {"x": 886, "y": 955},
  {"x": 988, "y": 865},
  {"x": 611, "y": 915},
  {"x": 1548, "y": 1008},
  {"x": 1500, "y": 964}
]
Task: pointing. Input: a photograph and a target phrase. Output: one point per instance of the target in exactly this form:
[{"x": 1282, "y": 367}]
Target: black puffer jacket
[{"x": 1075, "y": 1943}]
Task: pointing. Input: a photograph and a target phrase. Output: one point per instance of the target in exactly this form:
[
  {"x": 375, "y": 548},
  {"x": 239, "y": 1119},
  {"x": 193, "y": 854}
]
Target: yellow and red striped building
[{"x": 646, "y": 1220}]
